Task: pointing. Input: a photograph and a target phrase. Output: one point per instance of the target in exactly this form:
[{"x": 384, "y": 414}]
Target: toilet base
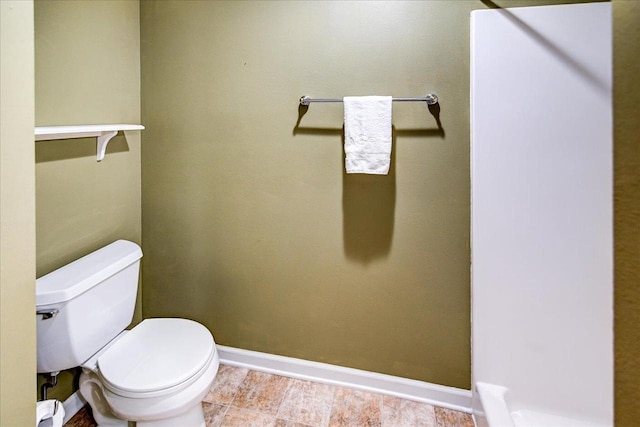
[
  {"x": 194, "y": 417},
  {"x": 183, "y": 409},
  {"x": 92, "y": 391}
]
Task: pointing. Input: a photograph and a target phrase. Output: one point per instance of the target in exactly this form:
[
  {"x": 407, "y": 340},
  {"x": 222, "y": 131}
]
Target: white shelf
[{"x": 103, "y": 133}]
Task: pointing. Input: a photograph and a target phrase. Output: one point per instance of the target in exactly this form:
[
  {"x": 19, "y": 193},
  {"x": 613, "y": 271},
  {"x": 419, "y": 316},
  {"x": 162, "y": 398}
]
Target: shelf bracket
[
  {"x": 103, "y": 133},
  {"x": 102, "y": 141}
]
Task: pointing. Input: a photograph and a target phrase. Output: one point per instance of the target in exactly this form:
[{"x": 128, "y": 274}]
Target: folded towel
[{"x": 367, "y": 134}]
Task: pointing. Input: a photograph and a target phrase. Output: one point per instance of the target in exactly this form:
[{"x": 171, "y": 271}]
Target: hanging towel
[{"x": 367, "y": 134}]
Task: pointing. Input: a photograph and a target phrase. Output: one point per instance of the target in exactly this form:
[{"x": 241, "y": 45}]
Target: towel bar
[{"x": 430, "y": 99}]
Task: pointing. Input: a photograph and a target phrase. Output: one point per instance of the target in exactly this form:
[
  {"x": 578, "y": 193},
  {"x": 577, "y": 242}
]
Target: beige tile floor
[{"x": 241, "y": 397}]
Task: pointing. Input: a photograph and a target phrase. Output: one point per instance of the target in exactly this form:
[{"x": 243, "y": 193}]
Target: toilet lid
[{"x": 157, "y": 354}]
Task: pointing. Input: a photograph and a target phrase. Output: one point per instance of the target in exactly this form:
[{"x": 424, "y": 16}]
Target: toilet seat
[{"x": 157, "y": 357}]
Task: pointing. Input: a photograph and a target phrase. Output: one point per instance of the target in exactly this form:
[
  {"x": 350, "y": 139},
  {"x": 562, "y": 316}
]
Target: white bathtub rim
[
  {"x": 494, "y": 411},
  {"x": 494, "y": 404}
]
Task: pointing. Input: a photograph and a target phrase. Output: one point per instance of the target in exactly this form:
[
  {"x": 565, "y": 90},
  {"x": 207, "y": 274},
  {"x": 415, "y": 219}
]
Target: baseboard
[
  {"x": 72, "y": 405},
  {"x": 447, "y": 397}
]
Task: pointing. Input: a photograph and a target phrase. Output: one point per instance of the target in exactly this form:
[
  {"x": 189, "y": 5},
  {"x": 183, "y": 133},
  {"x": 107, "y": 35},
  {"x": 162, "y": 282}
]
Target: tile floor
[{"x": 241, "y": 397}]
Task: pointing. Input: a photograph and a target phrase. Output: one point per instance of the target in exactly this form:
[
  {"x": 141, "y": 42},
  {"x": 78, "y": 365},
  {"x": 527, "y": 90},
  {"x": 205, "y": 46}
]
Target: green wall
[
  {"x": 250, "y": 224},
  {"x": 87, "y": 61},
  {"x": 87, "y": 72},
  {"x": 17, "y": 216}
]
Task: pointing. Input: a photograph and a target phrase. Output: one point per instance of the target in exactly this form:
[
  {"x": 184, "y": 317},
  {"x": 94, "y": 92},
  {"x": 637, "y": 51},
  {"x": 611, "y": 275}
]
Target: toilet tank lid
[{"x": 73, "y": 279}]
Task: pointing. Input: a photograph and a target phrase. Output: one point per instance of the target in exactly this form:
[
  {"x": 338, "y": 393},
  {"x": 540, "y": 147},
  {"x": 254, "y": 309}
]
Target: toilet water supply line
[
  {"x": 47, "y": 385},
  {"x": 52, "y": 409},
  {"x": 49, "y": 408},
  {"x": 48, "y": 313}
]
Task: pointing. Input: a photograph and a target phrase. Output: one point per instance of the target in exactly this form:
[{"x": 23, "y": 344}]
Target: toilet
[{"x": 155, "y": 374}]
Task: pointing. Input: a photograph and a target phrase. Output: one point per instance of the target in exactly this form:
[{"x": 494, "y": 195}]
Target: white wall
[{"x": 542, "y": 206}]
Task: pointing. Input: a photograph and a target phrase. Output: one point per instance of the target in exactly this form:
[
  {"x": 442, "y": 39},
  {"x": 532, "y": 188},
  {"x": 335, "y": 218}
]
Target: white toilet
[{"x": 155, "y": 374}]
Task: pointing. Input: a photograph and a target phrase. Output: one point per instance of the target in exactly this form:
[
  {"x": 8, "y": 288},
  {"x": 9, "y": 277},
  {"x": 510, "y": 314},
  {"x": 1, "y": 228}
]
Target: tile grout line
[
  {"x": 233, "y": 399},
  {"x": 333, "y": 395},
  {"x": 286, "y": 392},
  {"x": 333, "y": 403},
  {"x": 228, "y": 406},
  {"x": 324, "y": 422},
  {"x": 255, "y": 411},
  {"x": 226, "y": 409},
  {"x": 289, "y": 382}
]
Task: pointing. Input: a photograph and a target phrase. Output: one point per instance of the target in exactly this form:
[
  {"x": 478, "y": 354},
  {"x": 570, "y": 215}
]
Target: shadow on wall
[
  {"x": 368, "y": 211},
  {"x": 581, "y": 70},
  {"x": 65, "y": 149},
  {"x": 369, "y": 201}
]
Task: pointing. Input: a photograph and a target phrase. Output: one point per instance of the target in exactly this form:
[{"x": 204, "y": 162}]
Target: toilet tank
[{"x": 85, "y": 304}]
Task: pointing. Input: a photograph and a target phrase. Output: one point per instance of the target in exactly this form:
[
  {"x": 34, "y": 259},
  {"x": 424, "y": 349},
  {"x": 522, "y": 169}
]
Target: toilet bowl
[
  {"x": 155, "y": 374},
  {"x": 145, "y": 375}
]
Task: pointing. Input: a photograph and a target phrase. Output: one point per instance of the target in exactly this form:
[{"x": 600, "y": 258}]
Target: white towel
[{"x": 367, "y": 134}]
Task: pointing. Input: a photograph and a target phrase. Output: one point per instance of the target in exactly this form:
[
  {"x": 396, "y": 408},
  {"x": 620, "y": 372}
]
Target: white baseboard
[
  {"x": 72, "y": 405},
  {"x": 434, "y": 394}
]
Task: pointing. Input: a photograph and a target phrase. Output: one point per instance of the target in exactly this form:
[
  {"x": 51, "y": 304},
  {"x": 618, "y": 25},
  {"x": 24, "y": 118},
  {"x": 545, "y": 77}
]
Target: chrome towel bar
[{"x": 430, "y": 99}]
